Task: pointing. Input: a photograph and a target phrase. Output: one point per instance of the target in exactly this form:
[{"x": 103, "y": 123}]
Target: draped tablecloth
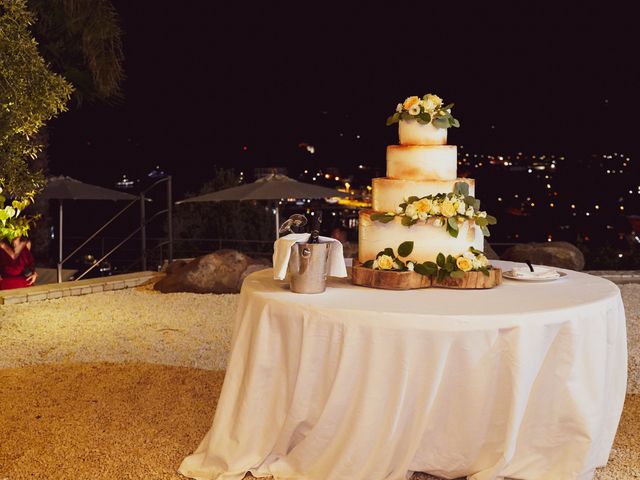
[{"x": 523, "y": 381}]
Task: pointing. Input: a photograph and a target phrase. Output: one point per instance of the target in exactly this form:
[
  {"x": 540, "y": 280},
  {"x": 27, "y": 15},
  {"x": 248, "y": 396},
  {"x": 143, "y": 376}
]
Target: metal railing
[{"x": 142, "y": 229}]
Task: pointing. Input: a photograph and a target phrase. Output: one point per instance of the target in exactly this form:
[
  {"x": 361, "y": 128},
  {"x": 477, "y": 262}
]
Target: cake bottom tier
[{"x": 428, "y": 240}]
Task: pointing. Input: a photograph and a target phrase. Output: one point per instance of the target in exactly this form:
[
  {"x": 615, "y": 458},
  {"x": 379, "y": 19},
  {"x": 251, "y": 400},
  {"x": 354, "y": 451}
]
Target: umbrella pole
[
  {"x": 277, "y": 220},
  {"x": 60, "y": 218}
]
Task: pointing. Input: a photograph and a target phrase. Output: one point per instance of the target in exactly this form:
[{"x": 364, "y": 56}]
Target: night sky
[{"x": 206, "y": 79}]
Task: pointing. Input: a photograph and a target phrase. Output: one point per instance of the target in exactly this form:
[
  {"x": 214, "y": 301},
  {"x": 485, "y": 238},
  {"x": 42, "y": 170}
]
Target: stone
[
  {"x": 175, "y": 266},
  {"x": 489, "y": 252},
  {"x": 554, "y": 254},
  {"x": 222, "y": 271}
]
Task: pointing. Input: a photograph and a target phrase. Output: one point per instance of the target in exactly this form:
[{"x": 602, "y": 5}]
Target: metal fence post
[
  {"x": 60, "y": 223},
  {"x": 143, "y": 232},
  {"x": 170, "y": 219}
]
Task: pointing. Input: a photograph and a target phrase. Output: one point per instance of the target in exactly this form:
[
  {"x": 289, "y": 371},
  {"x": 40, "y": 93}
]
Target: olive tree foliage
[
  {"x": 30, "y": 95},
  {"x": 82, "y": 40}
]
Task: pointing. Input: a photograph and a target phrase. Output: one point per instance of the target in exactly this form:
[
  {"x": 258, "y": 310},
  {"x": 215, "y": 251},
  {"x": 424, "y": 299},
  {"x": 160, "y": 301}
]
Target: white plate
[{"x": 509, "y": 274}]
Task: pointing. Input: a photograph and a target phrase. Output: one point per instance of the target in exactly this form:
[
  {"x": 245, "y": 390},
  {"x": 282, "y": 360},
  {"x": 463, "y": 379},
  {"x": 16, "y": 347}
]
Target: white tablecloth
[{"x": 524, "y": 381}]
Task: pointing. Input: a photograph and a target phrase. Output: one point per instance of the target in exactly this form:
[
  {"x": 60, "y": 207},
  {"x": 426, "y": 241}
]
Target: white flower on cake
[
  {"x": 414, "y": 110},
  {"x": 470, "y": 212},
  {"x": 438, "y": 222},
  {"x": 411, "y": 211},
  {"x": 385, "y": 262},
  {"x": 460, "y": 208},
  {"x": 469, "y": 255},
  {"x": 410, "y": 266},
  {"x": 399, "y": 108}
]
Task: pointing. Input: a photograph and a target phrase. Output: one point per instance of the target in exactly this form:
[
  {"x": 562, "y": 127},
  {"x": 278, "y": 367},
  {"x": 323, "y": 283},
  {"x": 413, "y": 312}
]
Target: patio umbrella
[
  {"x": 270, "y": 187},
  {"x": 66, "y": 188}
]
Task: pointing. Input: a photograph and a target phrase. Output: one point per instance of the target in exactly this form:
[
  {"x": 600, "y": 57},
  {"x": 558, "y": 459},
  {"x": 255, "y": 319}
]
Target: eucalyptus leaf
[
  {"x": 405, "y": 249},
  {"x": 407, "y": 221},
  {"x": 453, "y": 223},
  {"x": 391, "y": 120},
  {"x": 440, "y": 122},
  {"x": 454, "y": 122},
  {"x": 461, "y": 188},
  {"x": 425, "y": 117},
  {"x": 431, "y": 266},
  {"x": 387, "y": 218},
  {"x": 412, "y": 199},
  {"x": 440, "y": 259},
  {"x": 368, "y": 264},
  {"x": 388, "y": 251},
  {"x": 485, "y": 231},
  {"x": 421, "y": 269},
  {"x": 491, "y": 220}
]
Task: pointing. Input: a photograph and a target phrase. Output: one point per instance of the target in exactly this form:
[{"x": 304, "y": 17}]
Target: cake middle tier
[
  {"x": 428, "y": 240},
  {"x": 422, "y": 162},
  {"x": 388, "y": 193}
]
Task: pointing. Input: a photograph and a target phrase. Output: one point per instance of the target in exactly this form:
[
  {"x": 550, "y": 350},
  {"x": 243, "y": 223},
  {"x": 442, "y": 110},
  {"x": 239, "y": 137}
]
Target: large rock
[
  {"x": 219, "y": 272},
  {"x": 489, "y": 252},
  {"x": 554, "y": 254}
]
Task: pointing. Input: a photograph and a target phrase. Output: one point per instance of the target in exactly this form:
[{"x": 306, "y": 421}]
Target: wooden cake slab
[{"x": 393, "y": 280}]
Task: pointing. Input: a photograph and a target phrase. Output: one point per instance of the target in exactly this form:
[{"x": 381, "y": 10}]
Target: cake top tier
[{"x": 423, "y": 121}]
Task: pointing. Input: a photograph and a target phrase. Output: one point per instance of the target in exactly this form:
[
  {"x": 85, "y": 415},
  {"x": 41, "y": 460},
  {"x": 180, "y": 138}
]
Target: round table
[{"x": 524, "y": 381}]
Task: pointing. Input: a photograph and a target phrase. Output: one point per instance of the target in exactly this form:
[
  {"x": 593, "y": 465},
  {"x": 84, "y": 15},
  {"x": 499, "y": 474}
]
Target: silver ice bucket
[{"x": 308, "y": 267}]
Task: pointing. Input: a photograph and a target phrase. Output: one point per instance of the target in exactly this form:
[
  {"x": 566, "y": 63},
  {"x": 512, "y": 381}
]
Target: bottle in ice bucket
[
  {"x": 315, "y": 228},
  {"x": 308, "y": 263}
]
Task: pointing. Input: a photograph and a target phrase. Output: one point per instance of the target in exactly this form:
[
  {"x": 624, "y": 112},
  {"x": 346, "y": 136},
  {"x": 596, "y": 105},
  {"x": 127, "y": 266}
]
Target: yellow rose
[
  {"x": 464, "y": 264},
  {"x": 448, "y": 208},
  {"x": 435, "y": 100},
  {"x": 410, "y": 102},
  {"x": 423, "y": 206},
  {"x": 385, "y": 262}
]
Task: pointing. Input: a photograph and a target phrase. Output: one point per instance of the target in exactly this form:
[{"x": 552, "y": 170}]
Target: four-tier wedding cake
[{"x": 421, "y": 203}]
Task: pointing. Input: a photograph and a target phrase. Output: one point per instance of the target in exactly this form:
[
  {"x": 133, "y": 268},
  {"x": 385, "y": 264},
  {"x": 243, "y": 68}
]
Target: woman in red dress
[{"x": 17, "y": 265}]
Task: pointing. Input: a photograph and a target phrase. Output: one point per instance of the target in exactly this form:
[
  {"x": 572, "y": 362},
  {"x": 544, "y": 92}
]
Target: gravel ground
[
  {"x": 50, "y": 349},
  {"x": 134, "y": 325}
]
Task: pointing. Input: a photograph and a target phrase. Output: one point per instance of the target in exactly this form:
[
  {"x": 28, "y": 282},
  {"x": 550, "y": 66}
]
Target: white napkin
[
  {"x": 282, "y": 253},
  {"x": 538, "y": 272}
]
